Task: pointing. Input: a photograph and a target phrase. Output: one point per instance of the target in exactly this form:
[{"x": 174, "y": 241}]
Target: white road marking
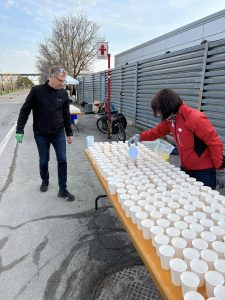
[{"x": 6, "y": 139}]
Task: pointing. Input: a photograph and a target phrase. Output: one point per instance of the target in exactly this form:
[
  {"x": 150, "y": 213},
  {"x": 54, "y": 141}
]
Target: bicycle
[{"x": 118, "y": 124}]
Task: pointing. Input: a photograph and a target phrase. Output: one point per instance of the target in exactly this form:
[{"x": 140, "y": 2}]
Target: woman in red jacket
[{"x": 199, "y": 146}]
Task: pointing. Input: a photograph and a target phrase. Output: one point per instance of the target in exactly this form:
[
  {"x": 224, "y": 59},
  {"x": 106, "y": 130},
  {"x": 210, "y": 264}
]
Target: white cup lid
[
  {"x": 178, "y": 265},
  {"x": 190, "y": 279}
]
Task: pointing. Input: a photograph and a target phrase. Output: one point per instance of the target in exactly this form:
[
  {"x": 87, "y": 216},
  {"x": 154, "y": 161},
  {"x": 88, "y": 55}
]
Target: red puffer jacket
[{"x": 199, "y": 145}]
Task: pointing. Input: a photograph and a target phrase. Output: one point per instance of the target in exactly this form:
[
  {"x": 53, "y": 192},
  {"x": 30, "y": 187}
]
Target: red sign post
[{"x": 102, "y": 50}]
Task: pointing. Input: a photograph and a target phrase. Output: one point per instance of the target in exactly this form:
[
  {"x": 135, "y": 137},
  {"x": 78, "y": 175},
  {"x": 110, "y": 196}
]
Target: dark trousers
[
  {"x": 58, "y": 141},
  {"x": 207, "y": 176}
]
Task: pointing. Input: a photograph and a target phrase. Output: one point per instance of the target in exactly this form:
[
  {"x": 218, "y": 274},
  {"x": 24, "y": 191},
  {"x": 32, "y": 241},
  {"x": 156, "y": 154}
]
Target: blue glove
[{"x": 134, "y": 140}]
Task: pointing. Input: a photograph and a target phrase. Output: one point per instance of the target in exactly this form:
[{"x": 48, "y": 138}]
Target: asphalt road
[{"x": 49, "y": 248}]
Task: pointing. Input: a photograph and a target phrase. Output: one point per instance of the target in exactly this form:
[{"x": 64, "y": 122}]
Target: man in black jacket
[{"x": 49, "y": 103}]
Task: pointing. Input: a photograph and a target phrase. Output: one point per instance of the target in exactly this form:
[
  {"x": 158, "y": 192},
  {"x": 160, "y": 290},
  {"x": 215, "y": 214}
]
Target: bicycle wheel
[
  {"x": 102, "y": 124},
  {"x": 121, "y": 132}
]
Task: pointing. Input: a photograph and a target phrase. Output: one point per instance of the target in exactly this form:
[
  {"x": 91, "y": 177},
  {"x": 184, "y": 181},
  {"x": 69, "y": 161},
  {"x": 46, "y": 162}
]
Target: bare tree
[{"x": 72, "y": 45}]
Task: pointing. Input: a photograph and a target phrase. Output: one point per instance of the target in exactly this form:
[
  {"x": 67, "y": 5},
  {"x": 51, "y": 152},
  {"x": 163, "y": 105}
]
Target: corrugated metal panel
[
  {"x": 128, "y": 94},
  {"x": 180, "y": 71},
  {"x": 96, "y": 86},
  {"x": 213, "y": 102},
  {"x": 115, "y": 88},
  {"x": 88, "y": 88},
  {"x": 80, "y": 90}
]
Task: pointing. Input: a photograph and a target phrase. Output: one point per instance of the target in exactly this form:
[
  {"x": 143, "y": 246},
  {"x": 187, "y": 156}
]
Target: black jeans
[
  {"x": 59, "y": 143},
  {"x": 207, "y": 176}
]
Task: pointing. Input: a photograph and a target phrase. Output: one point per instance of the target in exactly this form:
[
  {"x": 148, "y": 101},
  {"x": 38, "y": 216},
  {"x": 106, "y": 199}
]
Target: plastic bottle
[{"x": 133, "y": 151}]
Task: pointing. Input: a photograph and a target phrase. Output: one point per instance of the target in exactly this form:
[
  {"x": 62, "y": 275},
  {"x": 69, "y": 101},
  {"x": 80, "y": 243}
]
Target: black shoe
[
  {"x": 66, "y": 195},
  {"x": 44, "y": 186}
]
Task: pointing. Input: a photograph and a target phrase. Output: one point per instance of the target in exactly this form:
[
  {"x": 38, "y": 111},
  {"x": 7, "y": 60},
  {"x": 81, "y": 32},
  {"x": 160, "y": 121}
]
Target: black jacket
[{"x": 50, "y": 111}]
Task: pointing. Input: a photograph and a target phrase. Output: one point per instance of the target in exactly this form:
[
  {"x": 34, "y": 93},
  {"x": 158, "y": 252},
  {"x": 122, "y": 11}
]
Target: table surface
[
  {"x": 144, "y": 247},
  {"x": 76, "y": 113}
]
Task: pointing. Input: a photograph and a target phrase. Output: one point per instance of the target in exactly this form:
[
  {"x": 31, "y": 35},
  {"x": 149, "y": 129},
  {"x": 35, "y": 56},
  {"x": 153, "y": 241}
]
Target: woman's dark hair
[{"x": 166, "y": 102}]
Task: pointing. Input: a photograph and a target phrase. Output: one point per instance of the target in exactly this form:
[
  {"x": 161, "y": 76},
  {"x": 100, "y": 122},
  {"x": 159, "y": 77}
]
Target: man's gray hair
[{"x": 56, "y": 70}]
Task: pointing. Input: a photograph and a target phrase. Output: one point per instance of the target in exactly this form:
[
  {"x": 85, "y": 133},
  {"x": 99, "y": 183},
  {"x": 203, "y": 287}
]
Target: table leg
[{"x": 96, "y": 200}]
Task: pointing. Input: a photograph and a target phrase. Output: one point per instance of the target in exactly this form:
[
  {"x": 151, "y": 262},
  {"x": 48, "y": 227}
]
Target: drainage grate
[{"x": 133, "y": 283}]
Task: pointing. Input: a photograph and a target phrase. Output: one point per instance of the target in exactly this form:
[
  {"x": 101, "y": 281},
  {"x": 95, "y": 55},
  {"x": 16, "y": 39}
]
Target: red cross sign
[{"x": 102, "y": 50}]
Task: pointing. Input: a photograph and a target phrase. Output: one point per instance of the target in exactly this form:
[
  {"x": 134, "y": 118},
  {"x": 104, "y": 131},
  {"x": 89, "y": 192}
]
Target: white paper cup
[
  {"x": 199, "y": 267},
  {"x": 199, "y": 215},
  {"x": 209, "y": 237},
  {"x": 198, "y": 228},
  {"x": 172, "y": 232},
  {"x": 199, "y": 244},
  {"x": 173, "y": 218},
  {"x": 182, "y": 213},
  {"x": 142, "y": 203},
  {"x": 189, "y": 281},
  {"x": 209, "y": 256},
  {"x": 219, "y": 266},
  {"x": 177, "y": 266},
  {"x": 127, "y": 205},
  {"x": 160, "y": 240},
  {"x": 165, "y": 211},
  {"x": 133, "y": 210},
  {"x": 179, "y": 245},
  {"x": 219, "y": 247},
  {"x": 190, "y": 219},
  {"x": 164, "y": 223},
  {"x": 112, "y": 187},
  {"x": 216, "y": 217},
  {"x": 198, "y": 204},
  {"x": 123, "y": 198},
  {"x": 155, "y": 215},
  {"x": 181, "y": 225},
  {"x": 188, "y": 235},
  {"x": 207, "y": 223},
  {"x": 149, "y": 208},
  {"x": 173, "y": 206},
  {"x": 208, "y": 210},
  {"x": 222, "y": 224},
  {"x": 166, "y": 253},
  {"x": 192, "y": 295},
  {"x": 155, "y": 230},
  {"x": 218, "y": 231},
  {"x": 135, "y": 198},
  {"x": 139, "y": 216},
  {"x": 146, "y": 226},
  {"x": 219, "y": 292},
  {"x": 190, "y": 254},
  {"x": 120, "y": 192},
  {"x": 190, "y": 208},
  {"x": 212, "y": 280}
]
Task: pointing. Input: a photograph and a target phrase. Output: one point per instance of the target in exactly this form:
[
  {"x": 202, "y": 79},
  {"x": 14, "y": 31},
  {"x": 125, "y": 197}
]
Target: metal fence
[{"x": 196, "y": 74}]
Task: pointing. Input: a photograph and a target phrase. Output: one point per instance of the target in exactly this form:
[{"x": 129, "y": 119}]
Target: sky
[{"x": 124, "y": 24}]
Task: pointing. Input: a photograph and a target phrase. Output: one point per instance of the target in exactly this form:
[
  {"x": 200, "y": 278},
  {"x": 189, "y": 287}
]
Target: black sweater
[{"x": 50, "y": 111}]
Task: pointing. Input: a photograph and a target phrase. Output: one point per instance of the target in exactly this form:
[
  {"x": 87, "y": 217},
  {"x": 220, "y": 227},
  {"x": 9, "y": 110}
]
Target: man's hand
[
  {"x": 134, "y": 140},
  {"x": 69, "y": 139},
  {"x": 19, "y": 137}
]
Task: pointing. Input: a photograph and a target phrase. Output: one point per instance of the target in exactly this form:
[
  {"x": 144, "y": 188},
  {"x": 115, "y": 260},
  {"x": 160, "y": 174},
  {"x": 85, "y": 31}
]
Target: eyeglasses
[{"x": 60, "y": 80}]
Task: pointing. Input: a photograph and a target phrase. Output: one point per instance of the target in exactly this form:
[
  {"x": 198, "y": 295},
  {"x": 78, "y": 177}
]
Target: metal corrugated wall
[
  {"x": 96, "y": 86},
  {"x": 88, "y": 89},
  {"x": 196, "y": 74},
  {"x": 128, "y": 96},
  {"x": 81, "y": 90},
  {"x": 116, "y": 83},
  {"x": 180, "y": 71},
  {"x": 213, "y": 100}
]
